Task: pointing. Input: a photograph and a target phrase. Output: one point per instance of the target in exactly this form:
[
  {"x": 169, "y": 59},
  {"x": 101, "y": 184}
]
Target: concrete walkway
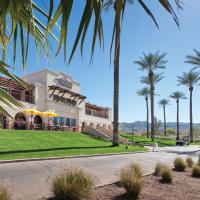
[{"x": 31, "y": 180}]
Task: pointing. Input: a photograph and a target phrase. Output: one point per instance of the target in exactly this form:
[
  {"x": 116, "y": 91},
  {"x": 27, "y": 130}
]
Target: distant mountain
[{"x": 141, "y": 126}]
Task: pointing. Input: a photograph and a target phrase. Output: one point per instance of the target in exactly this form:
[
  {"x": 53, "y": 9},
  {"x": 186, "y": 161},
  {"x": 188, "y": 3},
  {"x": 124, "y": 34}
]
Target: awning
[
  {"x": 10, "y": 84},
  {"x": 63, "y": 91}
]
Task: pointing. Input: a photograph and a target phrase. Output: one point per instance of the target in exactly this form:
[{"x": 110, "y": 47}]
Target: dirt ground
[{"x": 183, "y": 187}]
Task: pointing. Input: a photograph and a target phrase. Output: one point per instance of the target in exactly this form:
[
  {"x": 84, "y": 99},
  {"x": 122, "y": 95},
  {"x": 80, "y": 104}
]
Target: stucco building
[{"x": 57, "y": 92}]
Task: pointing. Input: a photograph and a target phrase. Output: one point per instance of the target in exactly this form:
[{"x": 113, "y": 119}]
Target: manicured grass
[
  {"x": 196, "y": 143},
  {"x": 143, "y": 140},
  {"x": 15, "y": 144}
]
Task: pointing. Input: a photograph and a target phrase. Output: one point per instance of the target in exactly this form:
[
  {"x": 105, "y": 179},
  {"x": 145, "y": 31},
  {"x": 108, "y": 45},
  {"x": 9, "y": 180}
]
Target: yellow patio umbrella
[
  {"x": 49, "y": 114},
  {"x": 31, "y": 112}
]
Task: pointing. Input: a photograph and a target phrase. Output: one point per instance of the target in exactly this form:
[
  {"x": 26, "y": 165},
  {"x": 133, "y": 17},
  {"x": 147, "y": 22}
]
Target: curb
[{"x": 67, "y": 157}]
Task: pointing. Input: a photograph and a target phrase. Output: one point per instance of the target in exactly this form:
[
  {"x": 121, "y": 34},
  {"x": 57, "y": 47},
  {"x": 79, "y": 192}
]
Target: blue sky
[{"x": 139, "y": 35}]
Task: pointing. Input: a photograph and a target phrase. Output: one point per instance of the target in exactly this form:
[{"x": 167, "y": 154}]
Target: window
[
  {"x": 62, "y": 121},
  {"x": 56, "y": 121},
  {"x": 64, "y": 100},
  {"x": 73, "y": 122},
  {"x": 16, "y": 94}
]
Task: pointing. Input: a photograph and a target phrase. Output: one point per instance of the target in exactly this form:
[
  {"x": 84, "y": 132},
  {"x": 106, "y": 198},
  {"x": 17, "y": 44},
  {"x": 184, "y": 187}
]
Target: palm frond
[
  {"x": 145, "y": 92},
  {"x": 194, "y": 59},
  {"x": 151, "y": 62},
  {"x": 5, "y": 98},
  {"x": 19, "y": 14},
  {"x": 189, "y": 79},
  {"x": 163, "y": 102},
  {"x": 156, "y": 78},
  {"x": 177, "y": 95}
]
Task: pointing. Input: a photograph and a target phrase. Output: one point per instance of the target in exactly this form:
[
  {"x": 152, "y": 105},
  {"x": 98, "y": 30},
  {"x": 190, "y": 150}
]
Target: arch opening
[
  {"x": 37, "y": 122},
  {"x": 3, "y": 121},
  {"x": 20, "y": 121}
]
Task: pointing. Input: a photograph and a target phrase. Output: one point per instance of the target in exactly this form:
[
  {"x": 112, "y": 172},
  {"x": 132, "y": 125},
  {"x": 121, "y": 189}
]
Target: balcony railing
[{"x": 96, "y": 114}]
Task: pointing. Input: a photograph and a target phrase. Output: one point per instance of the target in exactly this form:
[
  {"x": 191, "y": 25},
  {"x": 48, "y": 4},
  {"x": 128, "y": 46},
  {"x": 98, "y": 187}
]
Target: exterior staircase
[
  {"x": 95, "y": 132},
  {"x": 110, "y": 134},
  {"x": 102, "y": 132}
]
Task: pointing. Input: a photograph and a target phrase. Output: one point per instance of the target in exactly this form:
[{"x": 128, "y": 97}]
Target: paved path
[{"x": 31, "y": 180}]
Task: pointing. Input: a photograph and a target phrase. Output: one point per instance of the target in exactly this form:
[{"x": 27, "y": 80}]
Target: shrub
[
  {"x": 158, "y": 169},
  {"x": 131, "y": 180},
  {"x": 166, "y": 174},
  {"x": 179, "y": 164},
  {"x": 131, "y": 183},
  {"x": 4, "y": 193},
  {"x": 72, "y": 184},
  {"x": 189, "y": 162},
  {"x": 136, "y": 169},
  {"x": 198, "y": 163},
  {"x": 196, "y": 171}
]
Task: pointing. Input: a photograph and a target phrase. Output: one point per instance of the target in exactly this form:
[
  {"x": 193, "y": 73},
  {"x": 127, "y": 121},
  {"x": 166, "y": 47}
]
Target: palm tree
[
  {"x": 194, "y": 59},
  {"x": 164, "y": 103},
  {"x": 151, "y": 62},
  {"x": 190, "y": 79},
  {"x": 177, "y": 95},
  {"x": 21, "y": 14},
  {"x": 145, "y": 92}
]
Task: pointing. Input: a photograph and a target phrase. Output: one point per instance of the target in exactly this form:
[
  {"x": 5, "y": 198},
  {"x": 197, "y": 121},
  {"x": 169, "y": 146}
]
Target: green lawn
[
  {"x": 143, "y": 140},
  {"x": 15, "y": 144}
]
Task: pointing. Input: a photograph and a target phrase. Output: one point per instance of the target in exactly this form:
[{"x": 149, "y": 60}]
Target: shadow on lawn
[{"x": 52, "y": 149}]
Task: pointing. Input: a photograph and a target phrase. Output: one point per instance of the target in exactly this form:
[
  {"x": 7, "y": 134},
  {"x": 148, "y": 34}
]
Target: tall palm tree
[
  {"x": 151, "y": 62},
  {"x": 190, "y": 79},
  {"x": 22, "y": 13},
  {"x": 164, "y": 103},
  {"x": 145, "y": 92},
  {"x": 177, "y": 95}
]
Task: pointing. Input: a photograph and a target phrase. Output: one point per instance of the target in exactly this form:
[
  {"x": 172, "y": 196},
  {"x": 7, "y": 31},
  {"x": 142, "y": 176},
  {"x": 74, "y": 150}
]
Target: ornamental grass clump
[
  {"x": 158, "y": 169},
  {"x": 131, "y": 180},
  {"x": 179, "y": 164},
  {"x": 196, "y": 171},
  {"x": 166, "y": 174},
  {"x": 4, "y": 193},
  {"x": 136, "y": 169},
  {"x": 72, "y": 184},
  {"x": 198, "y": 163},
  {"x": 189, "y": 162}
]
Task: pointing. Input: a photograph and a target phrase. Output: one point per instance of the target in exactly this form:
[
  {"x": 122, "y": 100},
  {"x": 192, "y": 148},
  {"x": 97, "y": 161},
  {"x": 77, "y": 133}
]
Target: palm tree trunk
[
  {"x": 152, "y": 103},
  {"x": 147, "y": 106},
  {"x": 191, "y": 120},
  {"x": 165, "y": 131},
  {"x": 177, "y": 122},
  {"x": 115, "y": 141}
]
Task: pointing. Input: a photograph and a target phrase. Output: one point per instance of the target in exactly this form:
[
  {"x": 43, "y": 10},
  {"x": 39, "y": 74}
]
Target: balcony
[{"x": 96, "y": 113}]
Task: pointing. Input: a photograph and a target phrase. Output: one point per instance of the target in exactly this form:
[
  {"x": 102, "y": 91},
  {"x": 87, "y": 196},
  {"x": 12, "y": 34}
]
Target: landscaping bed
[{"x": 183, "y": 187}]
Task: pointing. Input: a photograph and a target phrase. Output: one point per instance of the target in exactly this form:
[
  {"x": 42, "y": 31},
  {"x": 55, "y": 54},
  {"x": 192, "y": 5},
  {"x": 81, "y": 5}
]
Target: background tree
[
  {"x": 144, "y": 92},
  {"x": 151, "y": 62},
  {"x": 190, "y": 79},
  {"x": 157, "y": 124},
  {"x": 164, "y": 103},
  {"x": 177, "y": 95}
]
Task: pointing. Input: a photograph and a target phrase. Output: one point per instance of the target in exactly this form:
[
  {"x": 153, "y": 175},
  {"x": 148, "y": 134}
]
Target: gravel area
[{"x": 183, "y": 187}]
